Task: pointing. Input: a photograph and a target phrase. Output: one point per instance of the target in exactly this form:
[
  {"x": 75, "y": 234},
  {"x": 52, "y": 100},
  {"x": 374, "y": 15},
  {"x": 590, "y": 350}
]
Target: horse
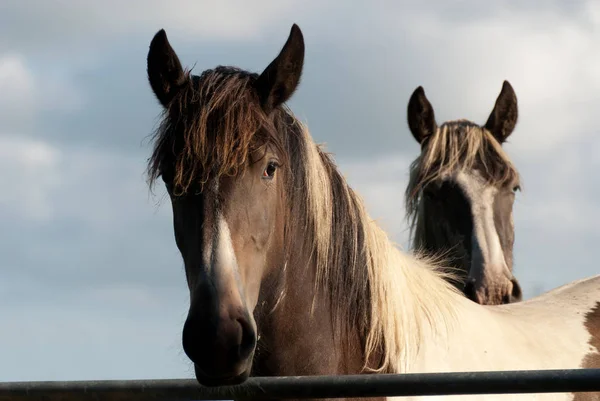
[
  {"x": 460, "y": 196},
  {"x": 287, "y": 272}
]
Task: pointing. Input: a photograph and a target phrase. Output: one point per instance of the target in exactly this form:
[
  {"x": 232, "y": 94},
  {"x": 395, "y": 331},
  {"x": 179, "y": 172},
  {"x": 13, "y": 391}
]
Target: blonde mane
[
  {"x": 456, "y": 145},
  {"x": 392, "y": 298}
]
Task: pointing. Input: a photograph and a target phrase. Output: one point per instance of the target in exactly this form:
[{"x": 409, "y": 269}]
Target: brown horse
[
  {"x": 288, "y": 274},
  {"x": 460, "y": 196}
]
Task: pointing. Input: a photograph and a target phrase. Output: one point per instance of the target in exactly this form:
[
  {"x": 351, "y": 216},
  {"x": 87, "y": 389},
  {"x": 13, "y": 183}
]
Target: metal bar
[{"x": 345, "y": 386}]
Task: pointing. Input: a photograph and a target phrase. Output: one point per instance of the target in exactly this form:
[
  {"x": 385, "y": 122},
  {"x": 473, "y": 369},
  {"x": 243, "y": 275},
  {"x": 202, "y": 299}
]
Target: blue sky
[{"x": 91, "y": 283}]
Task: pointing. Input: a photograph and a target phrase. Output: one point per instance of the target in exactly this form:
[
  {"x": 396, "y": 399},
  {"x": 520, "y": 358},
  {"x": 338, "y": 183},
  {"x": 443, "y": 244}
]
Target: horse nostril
[
  {"x": 516, "y": 294},
  {"x": 248, "y": 339}
]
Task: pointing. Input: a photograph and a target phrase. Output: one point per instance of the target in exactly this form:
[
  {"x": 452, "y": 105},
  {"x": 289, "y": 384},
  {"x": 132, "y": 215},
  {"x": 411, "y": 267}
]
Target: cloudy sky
[{"x": 91, "y": 283}]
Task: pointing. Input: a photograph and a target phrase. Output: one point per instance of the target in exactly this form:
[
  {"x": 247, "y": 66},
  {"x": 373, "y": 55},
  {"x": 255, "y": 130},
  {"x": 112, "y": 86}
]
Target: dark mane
[{"x": 209, "y": 129}]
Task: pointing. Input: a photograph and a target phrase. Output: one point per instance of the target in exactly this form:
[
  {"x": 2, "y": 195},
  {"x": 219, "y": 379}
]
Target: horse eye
[
  {"x": 516, "y": 188},
  {"x": 269, "y": 171}
]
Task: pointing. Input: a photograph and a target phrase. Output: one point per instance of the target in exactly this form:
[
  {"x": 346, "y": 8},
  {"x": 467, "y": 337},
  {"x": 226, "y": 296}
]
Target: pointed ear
[
  {"x": 280, "y": 79},
  {"x": 164, "y": 69},
  {"x": 421, "y": 118},
  {"x": 503, "y": 119}
]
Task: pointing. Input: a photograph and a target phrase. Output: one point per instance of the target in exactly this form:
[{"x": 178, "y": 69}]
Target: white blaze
[{"x": 487, "y": 249}]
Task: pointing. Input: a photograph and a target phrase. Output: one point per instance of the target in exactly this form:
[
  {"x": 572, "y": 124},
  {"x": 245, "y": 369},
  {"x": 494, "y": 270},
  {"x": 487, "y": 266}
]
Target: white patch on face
[
  {"x": 487, "y": 250},
  {"x": 225, "y": 256},
  {"x": 224, "y": 267},
  {"x": 207, "y": 252}
]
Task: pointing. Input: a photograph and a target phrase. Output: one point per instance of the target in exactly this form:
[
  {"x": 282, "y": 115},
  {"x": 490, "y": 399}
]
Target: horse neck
[
  {"x": 299, "y": 324},
  {"x": 296, "y": 332},
  {"x": 410, "y": 305},
  {"x": 398, "y": 296},
  {"x": 421, "y": 306}
]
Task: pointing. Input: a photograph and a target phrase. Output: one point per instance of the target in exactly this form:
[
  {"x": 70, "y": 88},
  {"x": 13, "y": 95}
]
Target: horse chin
[{"x": 217, "y": 381}]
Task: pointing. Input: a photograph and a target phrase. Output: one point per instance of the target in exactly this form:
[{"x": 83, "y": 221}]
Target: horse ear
[
  {"x": 164, "y": 69},
  {"x": 280, "y": 79},
  {"x": 421, "y": 118},
  {"x": 503, "y": 119}
]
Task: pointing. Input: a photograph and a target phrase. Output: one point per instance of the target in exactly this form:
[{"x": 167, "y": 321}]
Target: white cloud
[
  {"x": 29, "y": 174},
  {"x": 231, "y": 19},
  {"x": 381, "y": 183},
  {"x": 24, "y": 93},
  {"x": 99, "y": 188},
  {"x": 101, "y": 21},
  {"x": 15, "y": 79},
  {"x": 550, "y": 57},
  {"x": 17, "y": 88},
  {"x": 567, "y": 209}
]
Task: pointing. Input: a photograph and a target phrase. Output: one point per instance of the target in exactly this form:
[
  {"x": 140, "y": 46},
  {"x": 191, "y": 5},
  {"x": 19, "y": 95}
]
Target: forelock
[{"x": 210, "y": 128}]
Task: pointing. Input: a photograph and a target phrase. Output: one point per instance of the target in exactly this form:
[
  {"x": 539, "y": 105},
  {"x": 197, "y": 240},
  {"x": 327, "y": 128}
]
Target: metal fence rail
[{"x": 380, "y": 385}]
